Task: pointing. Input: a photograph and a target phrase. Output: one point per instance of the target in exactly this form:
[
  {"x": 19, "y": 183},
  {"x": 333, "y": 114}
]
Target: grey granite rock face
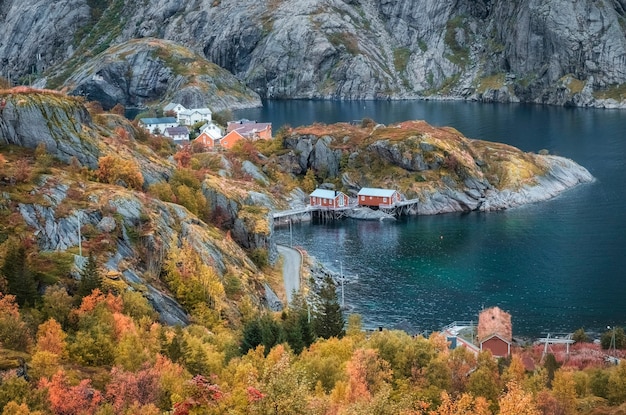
[{"x": 334, "y": 49}]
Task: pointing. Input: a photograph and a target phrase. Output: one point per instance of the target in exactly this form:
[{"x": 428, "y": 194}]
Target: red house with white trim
[
  {"x": 329, "y": 198},
  {"x": 374, "y": 197},
  {"x": 497, "y": 345}
]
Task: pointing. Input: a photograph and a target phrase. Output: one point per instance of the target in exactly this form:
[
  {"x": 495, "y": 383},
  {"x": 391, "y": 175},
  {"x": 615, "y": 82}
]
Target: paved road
[{"x": 292, "y": 261}]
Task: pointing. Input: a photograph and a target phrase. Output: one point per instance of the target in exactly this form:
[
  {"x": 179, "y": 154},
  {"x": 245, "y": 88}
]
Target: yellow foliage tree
[
  {"x": 309, "y": 183},
  {"x": 564, "y": 390},
  {"x": 115, "y": 170},
  {"x": 465, "y": 404},
  {"x": 517, "y": 402},
  {"x": 192, "y": 280},
  {"x": 51, "y": 338}
]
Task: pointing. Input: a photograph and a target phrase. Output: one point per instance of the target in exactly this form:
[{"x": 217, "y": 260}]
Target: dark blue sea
[{"x": 555, "y": 266}]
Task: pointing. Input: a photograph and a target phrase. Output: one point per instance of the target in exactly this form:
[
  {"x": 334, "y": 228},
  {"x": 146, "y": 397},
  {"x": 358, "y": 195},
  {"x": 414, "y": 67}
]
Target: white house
[
  {"x": 194, "y": 115},
  {"x": 188, "y": 116},
  {"x": 213, "y": 130},
  {"x": 158, "y": 124},
  {"x": 174, "y": 107},
  {"x": 180, "y": 135}
]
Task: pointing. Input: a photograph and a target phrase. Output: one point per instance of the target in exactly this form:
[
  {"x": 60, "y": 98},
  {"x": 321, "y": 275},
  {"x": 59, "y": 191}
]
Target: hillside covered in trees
[{"x": 134, "y": 279}]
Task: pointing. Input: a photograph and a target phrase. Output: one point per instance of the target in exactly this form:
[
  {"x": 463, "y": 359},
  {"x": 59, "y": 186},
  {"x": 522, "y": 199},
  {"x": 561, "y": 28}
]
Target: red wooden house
[
  {"x": 229, "y": 140},
  {"x": 374, "y": 197},
  {"x": 497, "y": 345},
  {"x": 208, "y": 143},
  {"x": 328, "y": 198}
]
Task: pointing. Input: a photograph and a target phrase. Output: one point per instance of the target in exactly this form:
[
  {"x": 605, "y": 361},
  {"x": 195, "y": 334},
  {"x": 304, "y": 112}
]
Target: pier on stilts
[
  {"x": 401, "y": 208},
  {"x": 323, "y": 213}
]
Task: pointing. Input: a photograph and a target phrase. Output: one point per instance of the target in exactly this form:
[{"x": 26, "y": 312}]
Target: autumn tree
[
  {"x": 405, "y": 353},
  {"x": 484, "y": 381},
  {"x": 461, "y": 362},
  {"x": 517, "y": 402},
  {"x": 56, "y": 304},
  {"x": 114, "y": 170},
  {"x": 13, "y": 331},
  {"x": 67, "y": 399},
  {"x": 309, "y": 182},
  {"x": 51, "y": 338},
  {"x": 465, "y": 404},
  {"x": 367, "y": 374},
  {"x": 192, "y": 280},
  {"x": 132, "y": 388},
  {"x": 616, "y": 385},
  {"x": 285, "y": 386},
  {"x": 564, "y": 390},
  {"x": 13, "y": 388},
  {"x": 328, "y": 318}
]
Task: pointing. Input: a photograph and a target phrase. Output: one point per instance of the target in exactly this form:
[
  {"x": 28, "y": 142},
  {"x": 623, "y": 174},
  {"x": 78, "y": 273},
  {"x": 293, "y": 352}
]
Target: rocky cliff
[
  {"x": 544, "y": 51},
  {"x": 53, "y": 183}
]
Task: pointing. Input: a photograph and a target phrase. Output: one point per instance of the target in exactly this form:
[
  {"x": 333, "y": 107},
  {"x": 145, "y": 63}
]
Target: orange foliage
[
  {"x": 65, "y": 399},
  {"x": 113, "y": 304},
  {"x": 183, "y": 157},
  {"x": 51, "y": 338},
  {"x": 113, "y": 170},
  {"x": 123, "y": 324},
  {"x": 122, "y": 134},
  {"x": 126, "y": 388},
  {"x": 366, "y": 373},
  {"x": 8, "y": 306}
]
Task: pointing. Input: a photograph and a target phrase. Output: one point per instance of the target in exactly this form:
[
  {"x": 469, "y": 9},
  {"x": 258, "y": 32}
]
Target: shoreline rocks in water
[{"x": 562, "y": 174}]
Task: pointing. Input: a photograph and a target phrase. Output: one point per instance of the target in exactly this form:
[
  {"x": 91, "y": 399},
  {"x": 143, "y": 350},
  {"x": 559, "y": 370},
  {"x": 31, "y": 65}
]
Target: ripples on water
[{"x": 555, "y": 266}]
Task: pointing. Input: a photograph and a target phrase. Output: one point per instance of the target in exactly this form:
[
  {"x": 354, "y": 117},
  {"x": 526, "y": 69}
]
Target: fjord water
[{"x": 555, "y": 266}]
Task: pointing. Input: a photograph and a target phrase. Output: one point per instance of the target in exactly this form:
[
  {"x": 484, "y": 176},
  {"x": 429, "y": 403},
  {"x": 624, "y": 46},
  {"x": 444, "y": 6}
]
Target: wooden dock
[{"x": 401, "y": 208}]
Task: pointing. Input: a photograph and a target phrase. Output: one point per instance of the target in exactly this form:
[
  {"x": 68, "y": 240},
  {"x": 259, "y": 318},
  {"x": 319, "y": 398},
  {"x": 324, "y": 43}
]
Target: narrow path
[{"x": 292, "y": 261}]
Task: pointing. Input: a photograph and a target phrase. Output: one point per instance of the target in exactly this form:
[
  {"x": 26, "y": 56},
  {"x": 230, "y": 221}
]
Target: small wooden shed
[{"x": 374, "y": 197}]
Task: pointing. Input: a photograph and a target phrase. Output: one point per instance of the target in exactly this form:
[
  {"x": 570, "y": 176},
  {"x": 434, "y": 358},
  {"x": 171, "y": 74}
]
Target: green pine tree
[
  {"x": 20, "y": 279},
  {"x": 90, "y": 278},
  {"x": 329, "y": 321},
  {"x": 251, "y": 336}
]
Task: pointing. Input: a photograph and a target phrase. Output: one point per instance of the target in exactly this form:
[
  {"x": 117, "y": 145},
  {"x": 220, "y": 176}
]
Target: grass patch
[
  {"x": 616, "y": 92},
  {"x": 460, "y": 54},
  {"x": 401, "y": 58},
  {"x": 347, "y": 40},
  {"x": 491, "y": 82}
]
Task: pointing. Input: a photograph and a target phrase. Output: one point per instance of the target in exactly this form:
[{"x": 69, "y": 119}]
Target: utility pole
[
  {"x": 80, "y": 245},
  {"x": 343, "y": 302}
]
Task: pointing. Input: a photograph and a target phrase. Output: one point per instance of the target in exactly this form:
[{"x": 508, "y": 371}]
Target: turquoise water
[{"x": 555, "y": 266}]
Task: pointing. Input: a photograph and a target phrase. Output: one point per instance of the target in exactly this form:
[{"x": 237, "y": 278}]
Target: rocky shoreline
[{"x": 562, "y": 174}]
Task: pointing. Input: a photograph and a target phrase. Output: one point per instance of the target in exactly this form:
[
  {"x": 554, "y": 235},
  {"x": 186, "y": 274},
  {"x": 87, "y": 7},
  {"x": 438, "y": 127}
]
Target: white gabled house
[
  {"x": 188, "y": 116},
  {"x": 174, "y": 107},
  {"x": 158, "y": 124},
  {"x": 194, "y": 115},
  {"x": 213, "y": 130},
  {"x": 180, "y": 135}
]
